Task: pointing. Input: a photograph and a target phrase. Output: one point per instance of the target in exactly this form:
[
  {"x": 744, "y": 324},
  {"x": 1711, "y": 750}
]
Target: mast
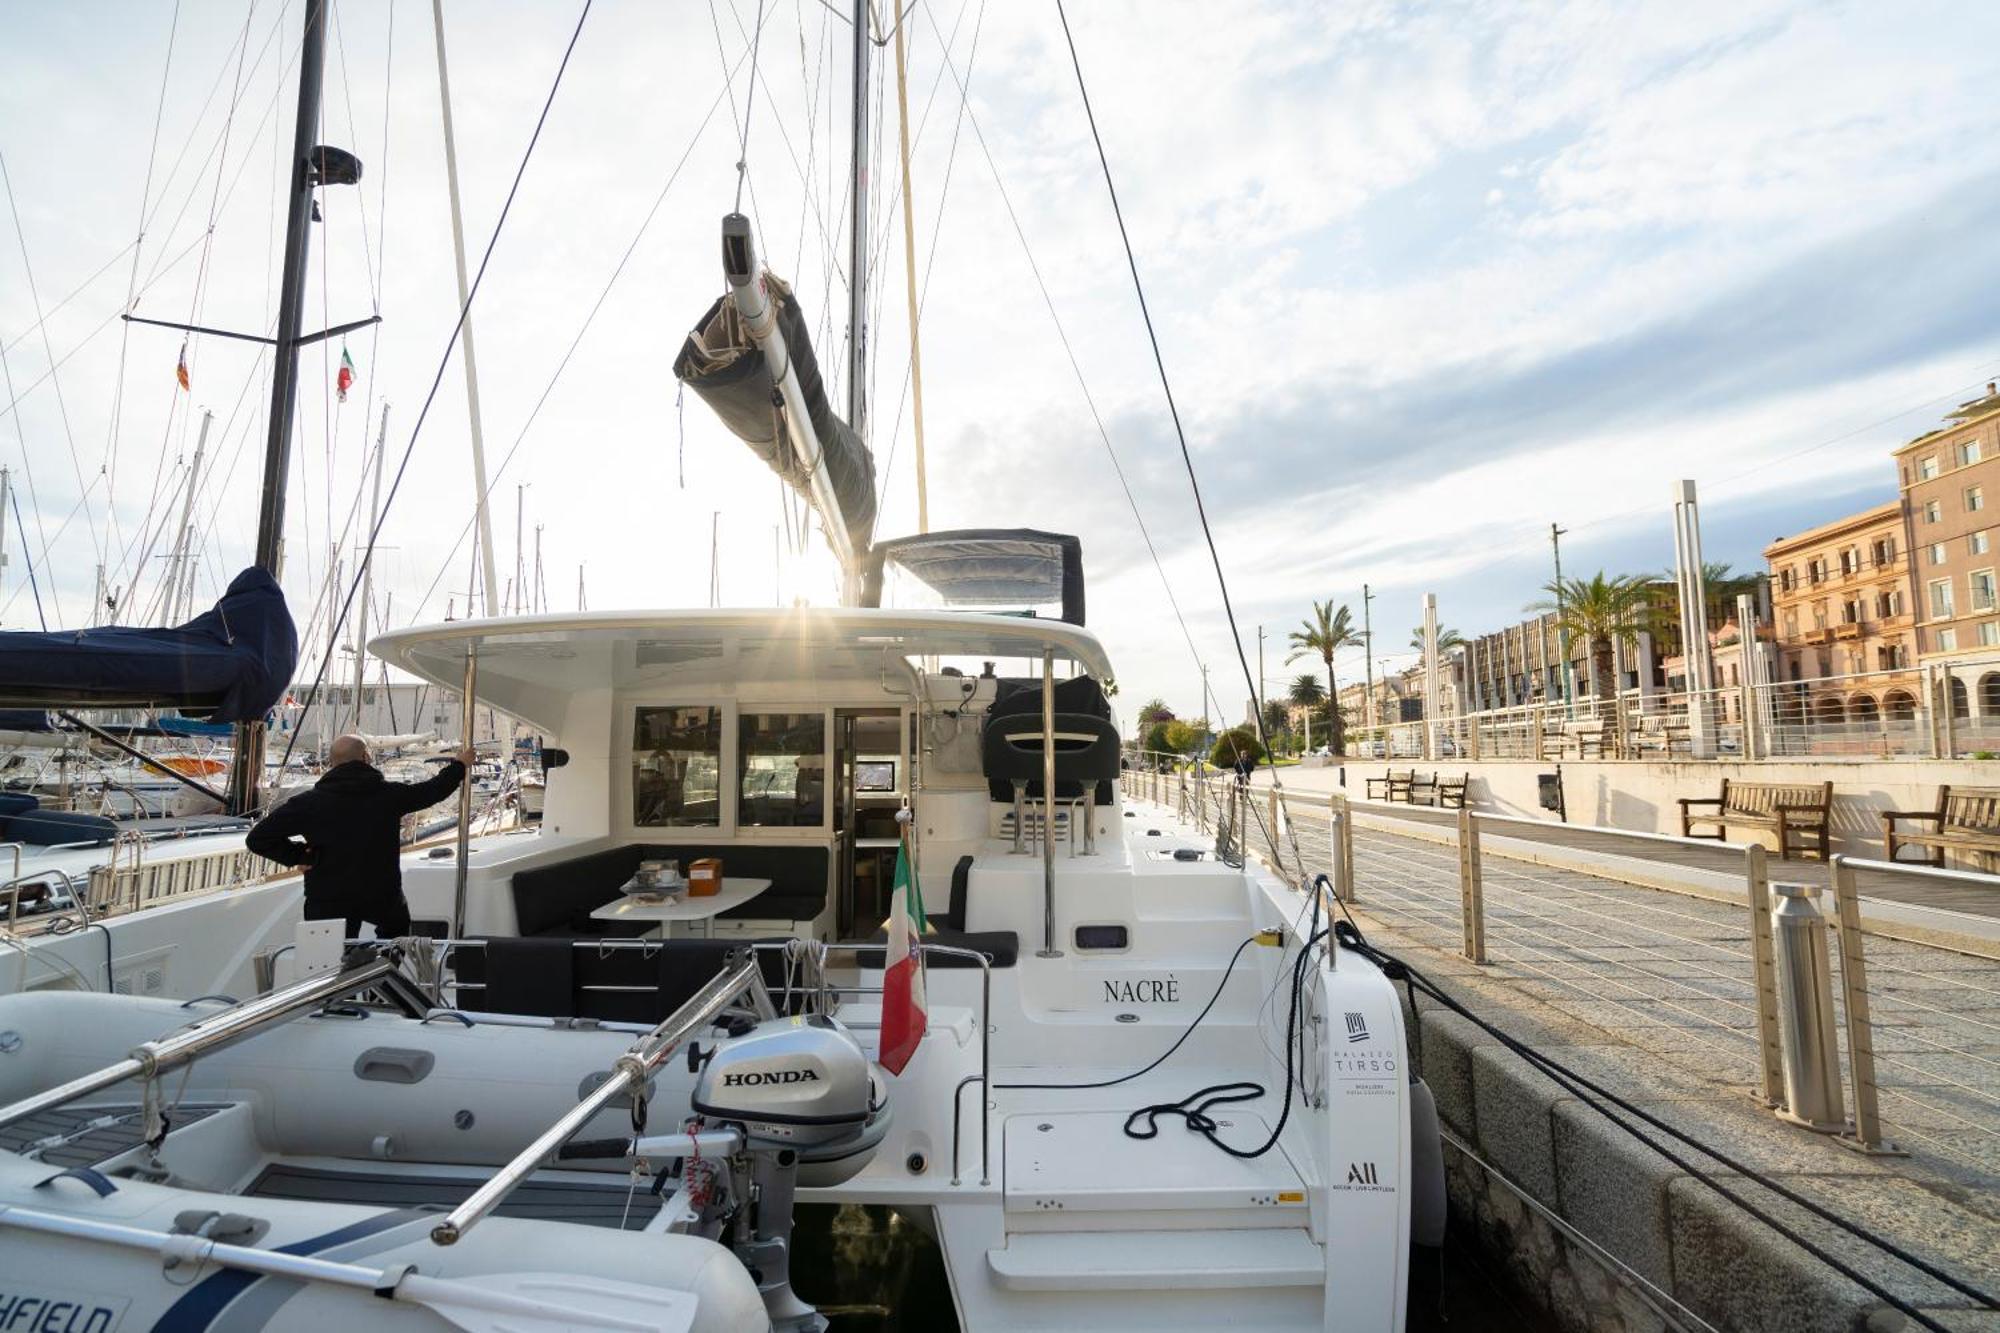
[
  {"x": 484, "y": 535},
  {"x": 183, "y": 560},
  {"x": 910, "y": 280},
  {"x": 6, "y": 497},
  {"x": 368, "y": 572},
  {"x": 857, "y": 250},
  {"x": 249, "y": 761}
]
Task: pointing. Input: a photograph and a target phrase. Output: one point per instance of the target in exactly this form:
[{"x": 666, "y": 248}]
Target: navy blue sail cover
[{"x": 229, "y": 664}]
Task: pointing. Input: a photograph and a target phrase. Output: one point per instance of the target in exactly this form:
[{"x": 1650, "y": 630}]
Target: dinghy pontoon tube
[{"x": 284, "y": 1179}]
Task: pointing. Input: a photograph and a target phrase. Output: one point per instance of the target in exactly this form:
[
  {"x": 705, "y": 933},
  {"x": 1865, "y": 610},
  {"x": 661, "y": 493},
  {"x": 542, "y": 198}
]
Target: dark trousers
[{"x": 390, "y": 916}]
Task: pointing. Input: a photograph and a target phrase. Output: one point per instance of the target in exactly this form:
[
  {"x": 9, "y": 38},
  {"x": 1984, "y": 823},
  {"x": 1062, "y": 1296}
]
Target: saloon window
[
  {"x": 783, "y": 780},
  {"x": 677, "y": 767}
]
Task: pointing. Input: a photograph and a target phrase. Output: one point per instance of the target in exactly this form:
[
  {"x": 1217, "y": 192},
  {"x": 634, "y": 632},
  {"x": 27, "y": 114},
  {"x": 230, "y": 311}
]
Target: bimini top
[
  {"x": 1014, "y": 569},
  {"x": 229, "y": 664},
  {"x": 530, "y": 666}
]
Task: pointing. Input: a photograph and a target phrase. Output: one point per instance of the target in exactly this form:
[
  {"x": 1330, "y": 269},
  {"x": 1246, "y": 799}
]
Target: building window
[
  {"x": 1816, "y": 569},
  {"x": 1989, "y": 633},
  {"x": 1888, "y": 602},
  {"x": 1981, "y": 587},
  {"x": 1890, "y": 658},
  {"x": 1850, "y": 611},
  {"x": 1927, "y": 469},
  {"x": 1819, "y": 615},
  {"x": 1946, "y": 640},
  {"x": 1933, "y": 511},
  {"x": 1967, "y": 452},
  {"x": 1941, "y": 599},
  {"x": 1976, "y": 543},
  {"x": 677, "y": 767},
  {"x": 1885, "y": 550},
  {"x": 1975, "y": 499},
  {"x": 1850, "y": 561},
  {"x": 1937, "y": 553},
  {"x": 783, "y": 761},
  {"x": 1785, "y": 579},
  {"x": 1791, "y": 624}
]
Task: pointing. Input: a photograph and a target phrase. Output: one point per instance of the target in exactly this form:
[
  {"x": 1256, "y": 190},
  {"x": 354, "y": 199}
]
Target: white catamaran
[{"x": 1156, "y": 1088}]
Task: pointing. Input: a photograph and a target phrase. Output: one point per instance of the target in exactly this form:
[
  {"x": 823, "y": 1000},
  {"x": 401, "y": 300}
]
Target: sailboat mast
[
  {"x": 857, "y": 251},
  {"x": 182, "y": 564},
  {"x": 484, "y": 536},
  {"x": 249, "y": 761},
  {"x": 368, "y": 572}
]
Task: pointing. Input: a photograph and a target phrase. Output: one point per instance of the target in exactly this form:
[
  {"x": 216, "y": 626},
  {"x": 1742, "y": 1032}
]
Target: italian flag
[
  {"x": 903, "y": 1007},
  {"x": 345, "y": 380}
]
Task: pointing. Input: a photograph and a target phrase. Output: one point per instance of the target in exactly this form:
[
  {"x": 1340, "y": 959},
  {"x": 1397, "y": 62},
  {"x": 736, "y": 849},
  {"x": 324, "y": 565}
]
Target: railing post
[
  {"x": 1757, "y": 880},
  {"x": 1854, "y": 1002},
  {"x": 1472, "y": 898},
  {"x": 1341, "y": 847}
]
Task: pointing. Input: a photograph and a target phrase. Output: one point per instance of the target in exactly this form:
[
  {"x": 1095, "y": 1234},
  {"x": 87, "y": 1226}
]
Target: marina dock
[{"x": 1630, "y": 961}]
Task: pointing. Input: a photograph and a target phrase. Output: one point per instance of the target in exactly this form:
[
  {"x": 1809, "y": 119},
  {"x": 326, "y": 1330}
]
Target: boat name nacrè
[{"x": 1143, "y": 990}]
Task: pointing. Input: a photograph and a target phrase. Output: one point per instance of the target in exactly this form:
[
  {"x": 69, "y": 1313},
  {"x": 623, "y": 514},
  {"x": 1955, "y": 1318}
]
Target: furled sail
[
  {"x": 228, "y": 664},
  {"x": 722, "y": 363}
]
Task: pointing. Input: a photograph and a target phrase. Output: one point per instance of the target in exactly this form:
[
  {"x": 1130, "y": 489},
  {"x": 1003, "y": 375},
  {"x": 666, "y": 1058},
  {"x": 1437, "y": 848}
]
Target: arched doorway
[
  {"x": 1961, "y": 699},
  {"x": 1828, "y": 709},
  {"x": 1861, "y": 708},
  {"x": 1989, "y": 694},
  {"x": 1900, "y": 705}
]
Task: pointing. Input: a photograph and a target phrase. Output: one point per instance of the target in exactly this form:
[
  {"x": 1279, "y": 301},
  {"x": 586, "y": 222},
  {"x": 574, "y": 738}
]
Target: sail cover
[
  {"x": 229, "y": 664},
  {"x": 722, "y": 364},
  {"x": 989, "y": 569}
]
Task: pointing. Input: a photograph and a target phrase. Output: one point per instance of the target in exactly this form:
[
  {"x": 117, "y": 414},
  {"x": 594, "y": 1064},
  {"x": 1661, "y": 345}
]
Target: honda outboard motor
[
  {"x": 800, "y": 1084},
  {"x": 793, "y": 1100}
]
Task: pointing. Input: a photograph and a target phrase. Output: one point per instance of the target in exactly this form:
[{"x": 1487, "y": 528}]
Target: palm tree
[
  {"x": 1327, "y": 633},
  {"x": 1447, "y": 639},
  {"x": 1306, "y": 691},
  {"x": 1722, "y": 584},
  {"x": 1601, "y": 611}
]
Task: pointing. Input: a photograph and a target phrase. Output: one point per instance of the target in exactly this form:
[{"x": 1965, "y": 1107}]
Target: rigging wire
[
  {"x": 749, "y": 101},
  {"x": 1069, "y": 351},
  {"x": 444, "y": 361},
  {"x": 937, "y": 228},
  {"x": 1180, "y": 433},
  {"x": 137, "y": 247},
  {"x": 576, "y": 340},
  {"x": 48, "y": 347}
]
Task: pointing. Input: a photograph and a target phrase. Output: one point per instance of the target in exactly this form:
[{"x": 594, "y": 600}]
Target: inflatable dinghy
[{"x": 285, "y": 1163}]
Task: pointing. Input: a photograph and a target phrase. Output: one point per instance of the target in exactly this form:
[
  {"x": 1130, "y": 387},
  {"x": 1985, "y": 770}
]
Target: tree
[
  {"x": 1234, "y": 744},
  {"x": 1154, "y": 710},
  {"x": 1447, "y": 639},
  {"x": 1600, "y": 612},
  {"x": 1327, "y": 633},
  {"x": 1306, "y": 691},
  {"x": 1159, "y": 739},
  {"x": 1181, "y": 737},
  {"x": 1277, "y": 721}
]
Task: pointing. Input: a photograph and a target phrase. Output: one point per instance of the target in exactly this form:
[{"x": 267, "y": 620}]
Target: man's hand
[{"x": 468, "y": 756}]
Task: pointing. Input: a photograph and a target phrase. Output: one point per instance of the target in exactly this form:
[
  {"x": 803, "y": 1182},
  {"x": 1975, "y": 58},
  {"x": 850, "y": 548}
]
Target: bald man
[{"x": 348, "y": 834}]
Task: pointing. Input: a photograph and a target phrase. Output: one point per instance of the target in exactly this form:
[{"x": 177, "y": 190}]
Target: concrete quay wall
[{"x": 1534, "y": 1168}]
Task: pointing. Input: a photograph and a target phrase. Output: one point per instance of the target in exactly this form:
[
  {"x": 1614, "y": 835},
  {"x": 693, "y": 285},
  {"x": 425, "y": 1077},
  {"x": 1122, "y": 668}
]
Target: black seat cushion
[
  {"x": 560, "y": 977},
  {"x": 558, "y": 899},
  {"x": 502, "y": 974},
  {"x": 1003, "y": 947}
]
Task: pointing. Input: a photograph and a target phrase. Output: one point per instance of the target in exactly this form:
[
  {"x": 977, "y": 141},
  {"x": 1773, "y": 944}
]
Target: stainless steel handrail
[
  {"x": 1913, "y": 868},
  {"x": 205, "y": 1034},
  {"x": 631, "y": 1070}
]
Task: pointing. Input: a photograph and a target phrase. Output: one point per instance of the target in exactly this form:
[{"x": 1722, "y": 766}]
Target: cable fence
[{"x": 1885, "y": 1045}]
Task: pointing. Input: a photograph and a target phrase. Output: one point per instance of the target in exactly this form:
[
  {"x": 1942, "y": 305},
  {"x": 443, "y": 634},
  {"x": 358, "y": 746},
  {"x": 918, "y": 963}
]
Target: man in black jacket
[{"x": 347, "y": 833}]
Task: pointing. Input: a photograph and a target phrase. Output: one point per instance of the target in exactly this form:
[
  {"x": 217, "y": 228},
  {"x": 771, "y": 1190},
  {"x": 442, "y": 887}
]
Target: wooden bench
[
  {"x": 1787, "y": 809},
  {"x": 1423, "y": 789},
  {"x": 1967, "y": 819},
  {"x": 1450, "y": 792},
  {"x": 1392, "y": 785}
]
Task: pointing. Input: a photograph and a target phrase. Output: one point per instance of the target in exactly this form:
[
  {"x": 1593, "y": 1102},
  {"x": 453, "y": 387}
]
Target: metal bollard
[
  {"x": 1471, "y": 887},
  {"x": 1807, "y": 1026}
]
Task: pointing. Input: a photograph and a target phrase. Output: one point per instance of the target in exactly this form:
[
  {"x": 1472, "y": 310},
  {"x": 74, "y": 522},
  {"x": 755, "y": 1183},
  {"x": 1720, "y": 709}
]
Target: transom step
[
  {"x": 1084, "y": 1162},
  {"x": 1157, "y": 1260}
]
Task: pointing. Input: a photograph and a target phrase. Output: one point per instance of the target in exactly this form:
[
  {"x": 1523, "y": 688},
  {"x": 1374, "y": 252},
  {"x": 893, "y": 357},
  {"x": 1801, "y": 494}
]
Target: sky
[{"x": 1425, "y": 279}]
